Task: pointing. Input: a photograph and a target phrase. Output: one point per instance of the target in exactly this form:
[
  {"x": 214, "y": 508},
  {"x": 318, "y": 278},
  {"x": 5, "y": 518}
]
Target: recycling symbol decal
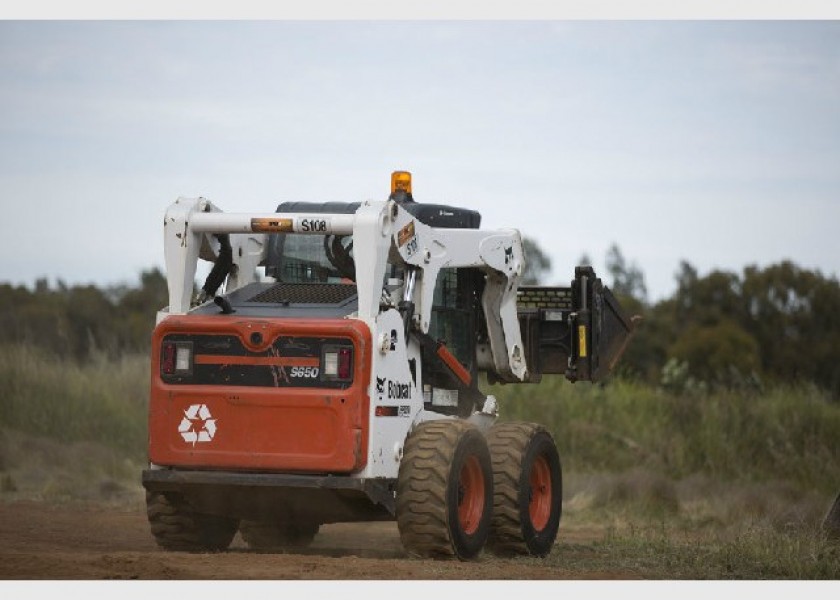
[{"x": 198, "y": 425}]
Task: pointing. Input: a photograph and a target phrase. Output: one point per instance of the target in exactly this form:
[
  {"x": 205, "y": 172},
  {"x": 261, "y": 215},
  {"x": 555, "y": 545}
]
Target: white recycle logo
[{"x": 197, "y": 424}]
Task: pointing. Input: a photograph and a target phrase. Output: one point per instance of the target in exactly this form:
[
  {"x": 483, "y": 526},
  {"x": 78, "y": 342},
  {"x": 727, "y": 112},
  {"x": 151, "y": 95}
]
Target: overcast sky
[{"x": 713, "y": 142}]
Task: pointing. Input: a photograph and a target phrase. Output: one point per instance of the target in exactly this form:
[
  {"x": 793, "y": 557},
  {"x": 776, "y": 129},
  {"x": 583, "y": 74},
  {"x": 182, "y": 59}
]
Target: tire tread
[
  {"x": 509, "y": 444},
  {"x": 422, "y": 487}
]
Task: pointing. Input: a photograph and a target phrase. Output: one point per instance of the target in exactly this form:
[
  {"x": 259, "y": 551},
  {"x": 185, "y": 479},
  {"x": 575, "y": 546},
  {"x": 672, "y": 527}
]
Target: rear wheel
[
  {"x": 177, "y": 526},
  {"x": 527, "y": 479},
  {"x": 270, "y": 536},
  {"x": 445, "y": 490}
]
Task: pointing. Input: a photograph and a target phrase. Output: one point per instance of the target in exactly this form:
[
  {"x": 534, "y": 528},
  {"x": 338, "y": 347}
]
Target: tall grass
[
  {"x": 103, "y": 400},
  {"x": 784, "y": 433}
]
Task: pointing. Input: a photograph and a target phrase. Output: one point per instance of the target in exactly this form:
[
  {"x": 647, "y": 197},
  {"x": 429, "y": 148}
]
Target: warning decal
[{"x": 405, "y": 234}]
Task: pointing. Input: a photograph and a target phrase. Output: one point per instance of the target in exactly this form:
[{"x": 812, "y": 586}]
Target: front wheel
[
  {"x": 528, "y": 484},
  {"x": 445, "y": 490}
]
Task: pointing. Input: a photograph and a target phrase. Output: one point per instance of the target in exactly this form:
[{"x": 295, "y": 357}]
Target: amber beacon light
[{"x": 401, "y": 181}]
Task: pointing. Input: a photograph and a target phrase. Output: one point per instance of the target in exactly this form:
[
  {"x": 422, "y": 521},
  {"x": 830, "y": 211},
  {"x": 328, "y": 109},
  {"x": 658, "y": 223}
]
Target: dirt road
[{"x": 40, "y": 541}]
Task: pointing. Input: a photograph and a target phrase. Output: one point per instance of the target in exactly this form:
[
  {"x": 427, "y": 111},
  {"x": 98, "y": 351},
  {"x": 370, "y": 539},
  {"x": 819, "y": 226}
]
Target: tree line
[
  {"x": 76, "y": 322},
  {"x": 777, "y": 324}
]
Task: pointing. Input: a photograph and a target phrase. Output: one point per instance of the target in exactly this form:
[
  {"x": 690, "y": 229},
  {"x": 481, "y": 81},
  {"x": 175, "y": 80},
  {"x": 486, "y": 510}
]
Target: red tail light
[
  {"x": 337, "y": 363},
  {"x": 345, "y": 363},
  {"x": 167, "y": 359},
  {"x": 176, "y": 359}
]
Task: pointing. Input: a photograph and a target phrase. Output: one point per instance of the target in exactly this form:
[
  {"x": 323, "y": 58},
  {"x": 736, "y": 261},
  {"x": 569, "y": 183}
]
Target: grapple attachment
[{"x": 580, "y": 331}]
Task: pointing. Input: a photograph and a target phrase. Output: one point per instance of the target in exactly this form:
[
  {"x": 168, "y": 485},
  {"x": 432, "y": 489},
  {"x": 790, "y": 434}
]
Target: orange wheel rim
[
  {"x": 470, "y": 495},
  {"x": 539, "y": 505}
]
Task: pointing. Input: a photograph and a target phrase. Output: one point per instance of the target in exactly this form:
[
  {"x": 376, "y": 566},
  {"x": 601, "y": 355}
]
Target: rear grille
[
  {"x": 306, "y": 293},
  {"x": 544, "y": 297}
]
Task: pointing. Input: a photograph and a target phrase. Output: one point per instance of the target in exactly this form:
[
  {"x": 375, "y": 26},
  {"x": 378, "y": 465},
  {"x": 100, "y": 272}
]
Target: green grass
[
  {"x": 717, "y": 485},
  {"x": 662, "y": 552},
  {"x": 782, "y": 434},
  {"x": 71, "y": 431},
  {"x": 713, "y": 485},
  {"x": 789, "y": 434},
  {"x": 103, "y": 400},
  {"x": 654, "y": 527}
]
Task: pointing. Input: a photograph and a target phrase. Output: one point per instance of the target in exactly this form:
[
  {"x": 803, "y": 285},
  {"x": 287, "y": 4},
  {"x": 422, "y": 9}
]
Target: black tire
[
  {"x": 278, "y": 537},
  {"x": 177, "y": 526},
  {"x": 831, "y": 523},
  {"x": 528, "y": 484},
  {"x": 445, "y": 491}
]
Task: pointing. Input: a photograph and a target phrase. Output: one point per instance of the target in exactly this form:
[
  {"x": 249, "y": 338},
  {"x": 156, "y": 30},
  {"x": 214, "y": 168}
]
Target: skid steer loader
[{"x": 341, "y": 383}]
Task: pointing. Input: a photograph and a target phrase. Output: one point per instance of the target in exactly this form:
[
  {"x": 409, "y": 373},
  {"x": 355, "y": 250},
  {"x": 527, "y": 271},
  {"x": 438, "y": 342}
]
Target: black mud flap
[{"x": 579, "y": 331}]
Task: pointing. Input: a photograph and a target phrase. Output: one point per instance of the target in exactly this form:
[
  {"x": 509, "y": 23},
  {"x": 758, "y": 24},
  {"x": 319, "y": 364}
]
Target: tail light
[
  {"x": 167, "y": 359},
  {"x": 345, "y": 363},
  {"x": 176, "y": 358},
  {"x": 337, "y": 363}
]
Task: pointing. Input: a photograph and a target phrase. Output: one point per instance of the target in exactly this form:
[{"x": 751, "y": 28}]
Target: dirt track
[{"x": 47, "y": 542}]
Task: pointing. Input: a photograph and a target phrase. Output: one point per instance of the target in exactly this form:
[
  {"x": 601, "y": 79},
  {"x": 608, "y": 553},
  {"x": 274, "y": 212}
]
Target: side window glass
[{"x": 452, "y": 317}]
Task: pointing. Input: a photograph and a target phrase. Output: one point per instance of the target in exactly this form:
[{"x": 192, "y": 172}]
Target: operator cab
[
  {"x": 294, "y": 258},
  {"x": 326, "y": 263}
]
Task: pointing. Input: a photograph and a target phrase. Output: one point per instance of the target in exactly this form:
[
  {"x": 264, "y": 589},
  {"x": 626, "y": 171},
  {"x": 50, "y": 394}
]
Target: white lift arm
[
  {"x": 379, "y": 229},
  {"x": 498, "y": 253}
]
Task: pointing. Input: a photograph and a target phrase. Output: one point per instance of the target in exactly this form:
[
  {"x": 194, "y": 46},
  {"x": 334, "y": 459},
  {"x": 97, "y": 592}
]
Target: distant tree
[
  {"x": 139, "y": 307},
  {"x": 77, "y": 321},
  {"x": 91, "y": 318},
  {"x": 36, "y": 318},
  {"x": 710, "y": 299},
  {"x": 781, "y": 322},
  {"x": 647, "y": 351},
  {"x": 627, "y": 279},
  {"x": 720, "y": 354},
  {"x": 686, "y": 276},
  {"x": 537, "y": 262},
  {"x": 795, "y": 316},
  {"x": 710, "y": 336}
]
